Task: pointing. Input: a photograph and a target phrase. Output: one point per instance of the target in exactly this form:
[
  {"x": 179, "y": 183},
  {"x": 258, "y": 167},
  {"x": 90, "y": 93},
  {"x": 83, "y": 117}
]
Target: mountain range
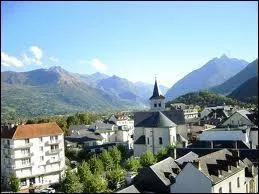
[
  {"x": 250, "y": 71},
  {"x": 51, "y": 91},
  {"x": 247, "y": 92},
  {"x": 213, "y": 73}
]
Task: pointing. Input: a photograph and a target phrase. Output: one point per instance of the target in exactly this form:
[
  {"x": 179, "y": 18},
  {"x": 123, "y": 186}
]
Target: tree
[
  {"x": 96, "y": 165},
  {"x": 147, "y": 159},
  {"x": 14, "y": 183},
  {"x": 116, "y": 155},
  {"x": 114, "y": 177},
  {"x": 72, "y": 120},
  {"x": 70, "y": 183},
  {"x": 122, "y": 150},
  {"x": 95, "y": 184},
  {"x": 132, "y": 164},
  {"x": 161, "y": 154},
  {"x": 107, "y": 160},
  {"x": 84, "y": 171}
]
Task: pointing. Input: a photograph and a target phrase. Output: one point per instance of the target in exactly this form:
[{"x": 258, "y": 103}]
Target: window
[
  {"x": 41, "y": 158},
  {"x": 229, "y": 185},
  {"x": 25, "y": 161},
  {"x": 25, "y": 151},
  {"x": 51, "y": 138},
  {"x": 40, "y": 139},
  {"x": 23, "y": 182},
  {"x": 56, "y": 137},
  {"x": 27, "y": 140},
  {"x": 41, "y": 148},
  {"x": 147, "y": 140},
  {"x": 53, "y": 147},
  {"x": 155, "y": 105},
  {"x": 160, "y": 141},
  {"x": 8, "y": 142},
  {"x": 238, "y": 182},
  {"x": 159, "y": 104},
  {"x": 220, "y": 190}
]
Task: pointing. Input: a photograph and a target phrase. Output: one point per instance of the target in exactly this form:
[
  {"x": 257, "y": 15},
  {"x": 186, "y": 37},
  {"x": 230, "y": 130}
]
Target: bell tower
[{"x": 157, "y": 100}]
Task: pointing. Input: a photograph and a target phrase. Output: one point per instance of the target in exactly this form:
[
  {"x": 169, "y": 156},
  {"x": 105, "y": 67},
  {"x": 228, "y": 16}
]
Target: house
[
  {"x": 217, "y": 172},
  {"x": 34, "y": 152},
  {"x": 157, "y": 177},
  {"x": 240, "y": 118},
  {"x": 246, "y": 134},
  {"x": 228, "y": 110}
]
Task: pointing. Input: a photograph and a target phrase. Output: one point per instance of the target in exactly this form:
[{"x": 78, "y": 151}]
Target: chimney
[
  {"x": 219, "y": 172},
  {"x": 199, "y": 164},
  {"x": 253, "y": 170},
  {"x": 175, "y": 152},
  {"x": 211, "y": 144}
]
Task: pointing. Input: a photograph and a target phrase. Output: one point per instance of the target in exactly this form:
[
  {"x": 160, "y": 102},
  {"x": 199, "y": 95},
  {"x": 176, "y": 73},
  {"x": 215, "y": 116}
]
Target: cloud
[
  {"x": 37, "y": 52},
  {"x": 7, "y": 60},
  {"x": 98, "y": 65},
  {"x": 53, "y": 59}
]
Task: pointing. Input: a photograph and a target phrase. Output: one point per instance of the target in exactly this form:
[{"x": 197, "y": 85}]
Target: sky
[{"x": 133, "y": 40}]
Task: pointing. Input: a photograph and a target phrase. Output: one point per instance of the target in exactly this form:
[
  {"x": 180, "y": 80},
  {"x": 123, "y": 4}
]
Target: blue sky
[{"x": 134, "y": 40}]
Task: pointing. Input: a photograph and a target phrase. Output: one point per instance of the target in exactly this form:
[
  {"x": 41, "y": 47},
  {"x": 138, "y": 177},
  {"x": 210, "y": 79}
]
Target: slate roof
[
  {"x": 129, "y": 189},
  {"x": 165, "y": 166},
  {"x": 100, "y": 126},
  {"x": 141, "y": 140},
  {"x": 210, "y": 165},
  {"x": 83, "y": 136},
  {"x": 244, "y": 113},
  {"x": 32, "y": 131},
  {"x": 189, "y": 157},
  {"x": 156, "y": 93},
  {"x": 251, "y": 154},
  {"x": 156, "y": 120},
  {"x": 176, "y": 116}
]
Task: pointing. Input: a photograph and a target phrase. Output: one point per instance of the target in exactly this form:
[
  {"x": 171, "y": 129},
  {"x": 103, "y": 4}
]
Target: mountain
[
  {"x": 231, "y": 84},
  {"x": 213, "y": 73},
  {"x": 51, "y": 91},
  {"x": 145, "y": 90},
  {"x": 119, "y": 87},
  {"x": 93, "y": 79},
  {"x": 205, "y": 98},
  {"x": 247, "y": 92}
]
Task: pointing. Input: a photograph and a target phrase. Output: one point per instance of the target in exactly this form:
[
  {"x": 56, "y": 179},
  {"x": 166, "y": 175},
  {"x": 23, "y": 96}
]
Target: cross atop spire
[{"x": 156, "y": 92}]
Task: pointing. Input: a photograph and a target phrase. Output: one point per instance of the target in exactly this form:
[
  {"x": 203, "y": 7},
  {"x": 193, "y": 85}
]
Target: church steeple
[
  {"x": 157, "y": 99},
  {"x": 156, "y": 92}
]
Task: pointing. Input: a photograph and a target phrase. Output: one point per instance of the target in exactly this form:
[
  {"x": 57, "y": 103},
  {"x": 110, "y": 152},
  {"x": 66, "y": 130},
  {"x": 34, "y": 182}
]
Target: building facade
[{"x": 34, "y": 153}]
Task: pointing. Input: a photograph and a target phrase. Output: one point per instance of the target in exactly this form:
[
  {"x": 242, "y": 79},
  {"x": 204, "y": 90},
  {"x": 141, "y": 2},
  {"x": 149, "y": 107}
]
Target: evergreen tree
[
  {"x": 132, "y": 164},
  {"x": 107, "y": 160},
  {"x": 147, "y": 159},
  {"x": 116, "y": 155},
  {"x": 14, "y": 183},
  {"x": 83, "y": 171},
  {"x": 96, "y": 165}
]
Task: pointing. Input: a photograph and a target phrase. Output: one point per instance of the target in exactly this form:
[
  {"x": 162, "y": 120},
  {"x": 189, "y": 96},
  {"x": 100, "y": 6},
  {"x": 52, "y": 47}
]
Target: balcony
[
  {"x": 56, "y": 151},
  {"x": 24, "y": 156},
  {"x": 53, "y": 142},
  {"x": 54, "y": 161},
  {"x": 27, "y": 145},
  {"x": 16, "y": 167}
]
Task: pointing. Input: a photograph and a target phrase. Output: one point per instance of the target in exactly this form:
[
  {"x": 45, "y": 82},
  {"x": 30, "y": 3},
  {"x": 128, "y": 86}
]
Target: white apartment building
[
  {"x": 34, "y": 152},
  {"x": 190, "y": 113}
]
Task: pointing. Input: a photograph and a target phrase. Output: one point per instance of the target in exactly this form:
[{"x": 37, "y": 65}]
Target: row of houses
[{"x": 221, "y": 171}]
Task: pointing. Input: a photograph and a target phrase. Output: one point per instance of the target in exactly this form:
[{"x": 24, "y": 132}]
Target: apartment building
[{"x": 34, "y": 152}]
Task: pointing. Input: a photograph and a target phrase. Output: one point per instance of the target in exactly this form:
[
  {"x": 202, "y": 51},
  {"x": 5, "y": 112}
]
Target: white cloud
[
  {"x": 98, "y": 65},
  {"x": 7, "y": 60},
  {"x": 53, "y": 59},
  {"x": 37, "y": 52}
]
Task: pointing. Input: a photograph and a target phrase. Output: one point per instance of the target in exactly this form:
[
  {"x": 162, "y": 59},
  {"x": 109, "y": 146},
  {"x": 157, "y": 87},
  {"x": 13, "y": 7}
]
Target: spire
[{"x": 156, "y": 92}]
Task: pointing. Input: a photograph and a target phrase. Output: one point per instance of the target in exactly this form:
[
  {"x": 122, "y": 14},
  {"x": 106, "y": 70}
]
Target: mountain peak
[{"x": 223, "y": 56}]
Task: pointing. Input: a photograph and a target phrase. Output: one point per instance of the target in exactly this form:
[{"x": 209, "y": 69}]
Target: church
[{"x": 156, "y": 128}]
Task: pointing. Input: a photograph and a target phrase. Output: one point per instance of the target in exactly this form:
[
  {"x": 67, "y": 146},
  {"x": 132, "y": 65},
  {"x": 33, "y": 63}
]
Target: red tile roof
[{"x": 32, "y": 131}]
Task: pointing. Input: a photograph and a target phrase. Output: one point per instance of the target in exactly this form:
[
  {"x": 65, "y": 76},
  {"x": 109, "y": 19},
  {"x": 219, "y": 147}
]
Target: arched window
[
  {"x": 160, "y": 141},
  {"x": 155, "y": 105},
  {"x": 238, "y": 182},
  {"x": 220, "y": 190}
]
